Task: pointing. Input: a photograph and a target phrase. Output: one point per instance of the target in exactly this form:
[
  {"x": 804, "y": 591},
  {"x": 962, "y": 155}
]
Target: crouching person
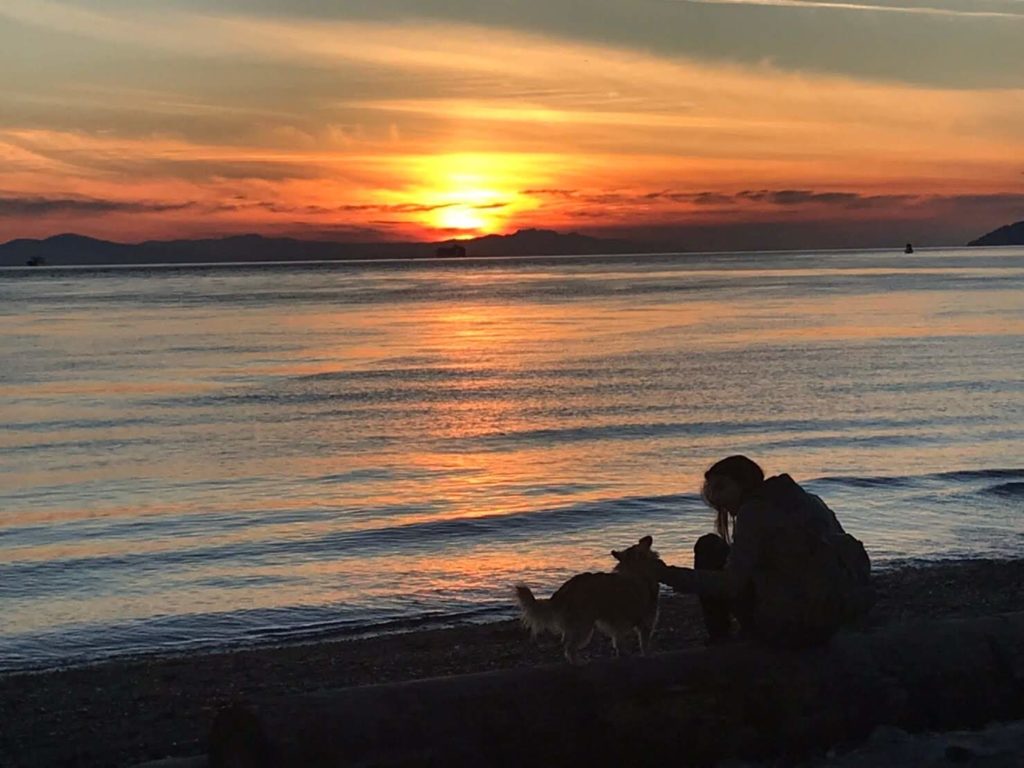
[{"x": 781, "y": 563}]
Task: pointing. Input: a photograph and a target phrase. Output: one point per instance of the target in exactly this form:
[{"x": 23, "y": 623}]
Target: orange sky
[{"x": 144, "y": 120}]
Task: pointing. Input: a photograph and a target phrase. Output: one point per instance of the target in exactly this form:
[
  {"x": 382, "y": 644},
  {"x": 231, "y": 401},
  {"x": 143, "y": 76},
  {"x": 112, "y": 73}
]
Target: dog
[{"x": 617, "y": 603}]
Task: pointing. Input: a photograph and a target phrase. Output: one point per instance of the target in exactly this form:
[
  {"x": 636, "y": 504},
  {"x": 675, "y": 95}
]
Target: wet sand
[{"x": 123, "y": 712}]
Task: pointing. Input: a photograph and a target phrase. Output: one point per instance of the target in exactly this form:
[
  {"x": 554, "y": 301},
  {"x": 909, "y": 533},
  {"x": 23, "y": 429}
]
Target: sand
[{"x": 123, "y": 712}]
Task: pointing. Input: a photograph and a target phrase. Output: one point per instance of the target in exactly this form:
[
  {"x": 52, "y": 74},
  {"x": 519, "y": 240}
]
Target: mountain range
[
  {"x": 79, "y": 250},
  {"x": 71, "y": 249}
]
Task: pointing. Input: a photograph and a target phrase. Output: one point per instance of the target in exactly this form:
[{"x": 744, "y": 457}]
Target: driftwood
[{"x": 685, "y": 708}]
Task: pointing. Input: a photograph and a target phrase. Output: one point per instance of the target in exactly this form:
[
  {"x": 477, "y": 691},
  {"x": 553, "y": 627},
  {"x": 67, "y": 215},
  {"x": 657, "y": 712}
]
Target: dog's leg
[
  {"x": 576, "y": 639},
  {"x": 644, "y": 632},
  {"x": 620, "y": 639},
  {"x": 615, "y": 634},
  {"x": 645, "y": 637}
]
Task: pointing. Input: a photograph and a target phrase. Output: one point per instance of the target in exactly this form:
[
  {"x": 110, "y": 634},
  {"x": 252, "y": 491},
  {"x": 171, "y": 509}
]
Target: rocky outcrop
[
  {"x": 1011, "y": 234},
  {"x": 689, "y": 708}
]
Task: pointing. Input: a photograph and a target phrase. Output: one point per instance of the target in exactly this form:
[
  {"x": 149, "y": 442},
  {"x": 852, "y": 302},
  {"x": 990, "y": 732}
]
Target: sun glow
[
  {"x": 461, "y": 218},
  {"x": 467, "y": 195}
]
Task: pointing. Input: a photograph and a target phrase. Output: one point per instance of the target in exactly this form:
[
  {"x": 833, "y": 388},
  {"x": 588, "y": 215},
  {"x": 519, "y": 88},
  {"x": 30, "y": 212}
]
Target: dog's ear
[
  {"x": 616, "y": 555},
  {"x": 646, "y": 542}
]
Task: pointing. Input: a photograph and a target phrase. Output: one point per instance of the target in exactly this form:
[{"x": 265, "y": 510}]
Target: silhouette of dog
[{"x": 617, "y": 603}]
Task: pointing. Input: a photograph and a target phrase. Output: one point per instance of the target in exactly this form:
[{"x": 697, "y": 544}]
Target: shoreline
[
  {"x": 130, "y": 710},
  {"x": 471, "y": 257},
  {"x": 390, "y": 628}
]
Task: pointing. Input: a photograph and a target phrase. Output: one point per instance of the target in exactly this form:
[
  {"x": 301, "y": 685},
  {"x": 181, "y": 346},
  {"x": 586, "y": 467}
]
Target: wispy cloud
[
  {"x": 158, "y": 157},
  {"x": 398, "y": 208},
  {"x": 634, "y": 203},
  {"x": 16, "y": 205},
  {"x": 1010, "y": 11}
]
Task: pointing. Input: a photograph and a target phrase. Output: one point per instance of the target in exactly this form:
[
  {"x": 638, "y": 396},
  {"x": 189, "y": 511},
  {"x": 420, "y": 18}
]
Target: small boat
[
  {"x": 450, "y": 251},
  {"x": 909, "y": 248},
  {"x": 35, "y": 261}
]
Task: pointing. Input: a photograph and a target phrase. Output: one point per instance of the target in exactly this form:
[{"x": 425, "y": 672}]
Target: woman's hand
[{"x": 680, "y": 579}]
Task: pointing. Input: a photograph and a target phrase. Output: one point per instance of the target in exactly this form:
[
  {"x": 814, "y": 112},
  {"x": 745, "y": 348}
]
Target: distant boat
[
  {"x": 909, "y": 248},
  {"x": 450, "y": 251},
  {"x": 35, "y": 261}
]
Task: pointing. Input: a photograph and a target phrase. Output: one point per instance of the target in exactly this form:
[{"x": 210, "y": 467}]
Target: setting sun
[
  {"x": 463, "y": 218},
  {"x": 469, "y": 194}
]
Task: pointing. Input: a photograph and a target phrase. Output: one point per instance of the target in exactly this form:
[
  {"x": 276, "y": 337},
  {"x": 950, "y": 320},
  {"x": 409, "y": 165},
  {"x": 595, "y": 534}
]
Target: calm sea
[{"x": 207, "y": 456}]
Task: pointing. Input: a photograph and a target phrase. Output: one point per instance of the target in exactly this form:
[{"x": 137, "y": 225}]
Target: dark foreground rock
[
  {"x": 1000, "y": 745},
  {"x": 688, "y": 708}
]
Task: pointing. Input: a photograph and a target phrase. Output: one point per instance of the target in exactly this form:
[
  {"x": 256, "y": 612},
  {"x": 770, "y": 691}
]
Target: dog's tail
[{"x": 538, "y": 615}]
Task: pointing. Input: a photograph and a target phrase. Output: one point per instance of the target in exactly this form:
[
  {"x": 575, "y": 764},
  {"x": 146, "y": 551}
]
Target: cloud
[
  {"x": 82, "y": 153},
  {"x": 466, "y": 38},
  {"x": 551, "y": 192},
  {"x": 855, "y": 200},
  {"x": 711, "y": 198},
  {"x": 624, "y": 204},
  {"x": 47, "y": 206},
  {"x": 994, "y": 199},
  {"x": 793, "y": 197},
  {"x": 1010, "y": 11},
  {"x": 410, "y": 208},
  {"x": 398, "y": 208}
]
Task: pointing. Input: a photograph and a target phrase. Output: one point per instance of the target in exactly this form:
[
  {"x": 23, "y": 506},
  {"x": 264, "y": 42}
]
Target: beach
[{"x": 128, "y": 711}]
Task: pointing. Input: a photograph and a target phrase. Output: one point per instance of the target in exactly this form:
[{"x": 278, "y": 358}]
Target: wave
[
  {"x": 866, "y": 482},
  {"x": 805, "y": 432},
  {"x": 169, "y": 636},
  {"x": 904, "y": 480},
  {"x": 966, "y": 483},
  {"x": 80, "y": 574},
  {"x": 1006, "y": 489},
  {"x": 977, "y": 474},
  {"x": 386, "y": 534}
]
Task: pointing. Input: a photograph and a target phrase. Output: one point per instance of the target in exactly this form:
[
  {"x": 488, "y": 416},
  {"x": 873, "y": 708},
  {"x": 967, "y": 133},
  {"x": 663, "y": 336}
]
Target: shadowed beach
[{"x": 124, "y": 712}]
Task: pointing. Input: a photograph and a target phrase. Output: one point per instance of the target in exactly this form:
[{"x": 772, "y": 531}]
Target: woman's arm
[
  {"x": 701, "y": 581},
  {"x": 680, "y": 579}
]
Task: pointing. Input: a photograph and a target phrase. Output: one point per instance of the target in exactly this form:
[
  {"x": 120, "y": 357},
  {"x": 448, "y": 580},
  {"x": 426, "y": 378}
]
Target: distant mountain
[
  {"x": 63, "y": 249},
  {"x": 1011, "y": 234},
  {"x": 70, "y": 249},
  {"x": 546, "y": 242}
]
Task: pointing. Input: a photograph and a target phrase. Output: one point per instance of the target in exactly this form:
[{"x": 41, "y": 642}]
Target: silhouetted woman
[{"x": 788, "y": 571}]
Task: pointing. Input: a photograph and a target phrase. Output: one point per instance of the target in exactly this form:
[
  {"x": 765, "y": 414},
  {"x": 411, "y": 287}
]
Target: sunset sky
[{"x": 707, "y": 123}]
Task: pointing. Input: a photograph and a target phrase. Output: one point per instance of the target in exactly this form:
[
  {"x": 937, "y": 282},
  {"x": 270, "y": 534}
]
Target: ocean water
[{"x": 208, "y": 456}]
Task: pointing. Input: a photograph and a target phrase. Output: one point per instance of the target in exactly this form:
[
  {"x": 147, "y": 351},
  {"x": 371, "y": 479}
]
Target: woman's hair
[{"x": 744, "y": 472}]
